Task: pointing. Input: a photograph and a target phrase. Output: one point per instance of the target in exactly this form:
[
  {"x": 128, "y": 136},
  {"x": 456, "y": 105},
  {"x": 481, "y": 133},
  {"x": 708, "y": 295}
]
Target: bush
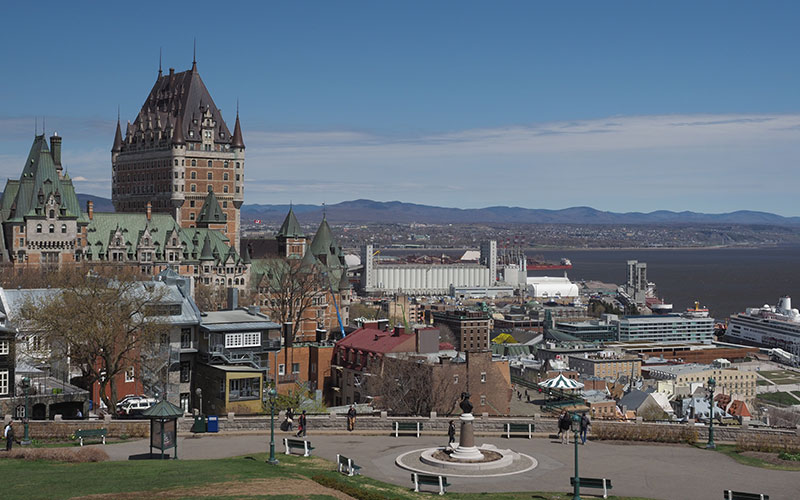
[
  {"x": 90, "y": 454},
  {"x": 651, "y": 433},
  {"x": 769, "y": 443},
  {"x": 795, "y": 457},
  {"x": 347, "y": 489}
]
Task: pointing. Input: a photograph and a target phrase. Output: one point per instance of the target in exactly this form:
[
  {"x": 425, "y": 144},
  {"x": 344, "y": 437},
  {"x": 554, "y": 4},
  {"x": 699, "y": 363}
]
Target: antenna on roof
[
  {"x": 159, "y": 61},
  {"x": 117, "y": 113},
  {"x": 194, "y": 55},
  {"x": 237, "y": 106},
  {"x": 324, "y": 211}
]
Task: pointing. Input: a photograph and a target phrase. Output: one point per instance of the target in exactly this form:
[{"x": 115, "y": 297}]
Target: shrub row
[
  {"x": 652, "y": 433},
  {"x": 768, "y": 443},
  {"x": 347, "y": 489},
  {"x": 89, "y": 454}
]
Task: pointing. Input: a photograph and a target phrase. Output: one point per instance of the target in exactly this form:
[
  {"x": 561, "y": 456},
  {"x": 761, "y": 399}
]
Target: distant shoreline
[{"x": 532, "y": 250}]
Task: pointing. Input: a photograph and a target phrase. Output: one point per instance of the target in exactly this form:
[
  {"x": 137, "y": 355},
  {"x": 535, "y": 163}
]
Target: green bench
[
  {"x": 593, "y": 482},
  {"x": 299, "y": 444},
  {"x": 91, "y": 433},
  {"x": 439, "y": 481},
  {"x": 740, "y": 495},
  {"x": 407, "y": 427},
  {"x": 346, "y": 465},
  {"x": 518, "y": 429}
]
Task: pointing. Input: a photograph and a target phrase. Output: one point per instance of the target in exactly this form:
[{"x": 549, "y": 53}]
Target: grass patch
[
  {"x": 731, "y": 451},
  {"x": 137, "y": 479},
  {"x": 781, "y": 376},
  {"x": 783, "y": 398},
  {"x": 763, "y": 382}
]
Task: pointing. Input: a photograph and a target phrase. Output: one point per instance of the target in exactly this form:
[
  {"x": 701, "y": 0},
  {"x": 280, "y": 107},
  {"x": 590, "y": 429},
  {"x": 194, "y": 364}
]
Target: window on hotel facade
[
  {"x": 4, "y": 382},
  {"x": 186, "y": 371},
  {"x": 129, "y": 375}
]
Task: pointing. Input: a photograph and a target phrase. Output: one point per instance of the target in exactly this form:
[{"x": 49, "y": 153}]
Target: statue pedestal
[{"x": 466, "y": 447}]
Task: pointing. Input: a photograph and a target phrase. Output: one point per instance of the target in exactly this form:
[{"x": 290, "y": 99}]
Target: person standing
[
  {"x": 351, "y": 418},
  {"x": 451, "y": 432},
  {"x": 301, "y": 425},
  {"x": 8, "y": 433},
  {"x": 289, "y": 419},
  {"x": 585, "y": 424},
  {"x": 563, "y": 427}
]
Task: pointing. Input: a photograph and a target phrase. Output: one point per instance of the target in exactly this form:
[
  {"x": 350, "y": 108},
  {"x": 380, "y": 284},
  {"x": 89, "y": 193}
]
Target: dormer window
[{"x": 52, "y": 214}]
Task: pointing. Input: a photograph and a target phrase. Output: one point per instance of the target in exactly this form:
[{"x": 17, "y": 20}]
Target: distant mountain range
[{"x": 368, "y": 211}]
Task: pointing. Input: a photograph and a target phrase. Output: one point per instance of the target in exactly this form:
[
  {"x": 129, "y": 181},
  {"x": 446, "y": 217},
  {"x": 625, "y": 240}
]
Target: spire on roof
[
  {"x": 206, "y": 253},
  {"x": 290, "y": 227},
  {"x": 211, "y": 213},
  {"x": 237, "y": 141},
  {"x": 117, "y": 139},
  {"x": 246, "y": 255},
  {"x": 159, "y": 62},
  {"x": 194, "y": 56}
]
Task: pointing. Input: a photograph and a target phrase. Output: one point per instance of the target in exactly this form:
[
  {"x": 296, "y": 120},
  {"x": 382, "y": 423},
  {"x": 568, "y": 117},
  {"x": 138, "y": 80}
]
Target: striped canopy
[{"x": 560, "y": 382}]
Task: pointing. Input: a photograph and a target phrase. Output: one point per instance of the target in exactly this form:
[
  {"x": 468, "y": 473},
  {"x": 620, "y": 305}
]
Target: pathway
[{"x": 648, "y": 470}]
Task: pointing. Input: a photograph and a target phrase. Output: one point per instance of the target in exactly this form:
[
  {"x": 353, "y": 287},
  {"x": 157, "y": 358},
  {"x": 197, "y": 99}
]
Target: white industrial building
[
  {"x": 552, "y": 287},
  {"x": 427, "y": 279}
]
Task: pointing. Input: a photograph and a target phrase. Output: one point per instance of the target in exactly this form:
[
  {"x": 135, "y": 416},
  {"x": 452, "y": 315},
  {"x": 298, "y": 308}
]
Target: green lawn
[
  {"x": 138, "y": 479},
  {"x": 763, "y": 382},
  {"x": 730, "y": 450},
  {"x": 781, "y": 376},
  {"x": 783, "y": 398}
]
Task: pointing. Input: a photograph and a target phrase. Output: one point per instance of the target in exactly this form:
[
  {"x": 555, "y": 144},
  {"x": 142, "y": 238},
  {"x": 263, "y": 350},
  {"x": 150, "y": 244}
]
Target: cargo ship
[{"x": 535, "y": 265}]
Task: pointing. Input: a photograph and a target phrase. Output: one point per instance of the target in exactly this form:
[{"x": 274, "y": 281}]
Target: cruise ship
[{"x": 777, "y": 326}]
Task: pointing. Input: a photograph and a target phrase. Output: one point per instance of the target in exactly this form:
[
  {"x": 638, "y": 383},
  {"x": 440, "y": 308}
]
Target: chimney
[
  {"x": 233, "y": 298},
  {"x": 398, "y": 330},
  {"x": 90, "y": 209},
  {"x": 287, "y": 334},
  {"x": 149, "y": 210},
  {"x": 322, "y": 334},
  {"x": 55, "y": 150}
]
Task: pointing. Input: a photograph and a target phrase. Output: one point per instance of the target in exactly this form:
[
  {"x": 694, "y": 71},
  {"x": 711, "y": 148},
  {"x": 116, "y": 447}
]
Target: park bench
[
  {"x": 740, "y": 495},
  {"x": 593, "y": 482},
  {"x": 407, "y": 427},
  {"x": 91, "y": 433},
  {"x": 346, "y": 465},
  {"x": 439, "y": 481},
  {"x": 518, "y": 429},
  {"x": 300, "y": 444}
]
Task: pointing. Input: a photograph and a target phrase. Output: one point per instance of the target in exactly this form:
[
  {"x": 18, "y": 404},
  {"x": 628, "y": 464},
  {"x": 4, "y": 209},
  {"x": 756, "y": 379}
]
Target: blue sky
[{"x": 623, "y": 106}]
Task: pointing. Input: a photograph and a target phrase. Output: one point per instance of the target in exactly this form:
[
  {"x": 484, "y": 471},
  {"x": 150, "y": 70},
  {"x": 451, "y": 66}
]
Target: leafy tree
[{"x": 101, "y": 322}]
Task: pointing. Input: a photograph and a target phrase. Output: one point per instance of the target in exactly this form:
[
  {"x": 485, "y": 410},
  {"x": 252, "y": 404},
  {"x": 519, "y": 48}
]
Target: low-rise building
[
  {"x": 665, "y": 328},
  {"x": 687, "y": 378},
  {"x": 606, "y": 364}
]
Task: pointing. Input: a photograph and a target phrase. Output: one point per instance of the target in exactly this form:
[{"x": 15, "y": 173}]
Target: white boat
[{"x": 767, "y": 326}]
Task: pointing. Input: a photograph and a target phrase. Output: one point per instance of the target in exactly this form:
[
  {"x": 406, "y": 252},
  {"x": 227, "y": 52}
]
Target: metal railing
[{"x": 232, "y": 357}]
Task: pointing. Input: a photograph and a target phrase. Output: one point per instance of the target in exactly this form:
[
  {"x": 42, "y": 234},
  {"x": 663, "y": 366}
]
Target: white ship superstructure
[{"x": 777, "y": 326}]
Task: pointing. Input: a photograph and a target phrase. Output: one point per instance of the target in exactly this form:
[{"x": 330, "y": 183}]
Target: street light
[
  {"x": 272, "y": 393},
  {"x": 576, "y": 427},
  {"x": 26, "y": 387},
  {"x": 711, "y": 385},
  {"x": 199, "y": 393}
]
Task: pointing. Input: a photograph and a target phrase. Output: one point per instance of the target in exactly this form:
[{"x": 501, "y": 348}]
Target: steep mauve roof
[
  {"x": 378, "y": 341},
  {"x": 238, "y": 140}
]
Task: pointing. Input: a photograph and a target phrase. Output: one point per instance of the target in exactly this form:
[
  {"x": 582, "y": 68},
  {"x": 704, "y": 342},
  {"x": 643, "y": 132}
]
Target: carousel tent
[{"x": 561, "y": 382}]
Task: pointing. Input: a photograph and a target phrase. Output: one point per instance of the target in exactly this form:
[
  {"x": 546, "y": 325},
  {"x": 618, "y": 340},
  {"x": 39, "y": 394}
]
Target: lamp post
[
  {"x": 272, "y": 393},
  {"x": 576, "y": 427},
  {"x": 711, "y": 385},
  {"x": 199, "y": 393},
  {"x": 26, "y": 387}
]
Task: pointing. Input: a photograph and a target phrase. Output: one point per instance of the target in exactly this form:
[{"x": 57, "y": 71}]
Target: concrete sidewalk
[{"x": 647, "y": 470}]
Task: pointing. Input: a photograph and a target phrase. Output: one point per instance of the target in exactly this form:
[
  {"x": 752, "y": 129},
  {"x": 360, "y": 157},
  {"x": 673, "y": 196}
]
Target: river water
[{"x": 726, "y": 280}]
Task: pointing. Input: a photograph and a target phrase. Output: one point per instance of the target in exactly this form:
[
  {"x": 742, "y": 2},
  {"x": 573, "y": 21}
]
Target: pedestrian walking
[
  {"x": 451, "y": 432},
  {"x": 8, "y": 433},
  {"x": 301, "y": 425},
  {"x": 289, "y": 419},
  {"x": 351, "y": 418},
  {"x": 563, "y": 427},
  {"x": 585, "y": 424}
]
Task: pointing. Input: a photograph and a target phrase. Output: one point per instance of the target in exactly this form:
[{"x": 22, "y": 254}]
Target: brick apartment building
[{"x": 470, "y": 328}]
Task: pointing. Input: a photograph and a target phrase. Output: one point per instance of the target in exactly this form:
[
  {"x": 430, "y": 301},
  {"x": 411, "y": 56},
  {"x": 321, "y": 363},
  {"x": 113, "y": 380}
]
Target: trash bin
[
  {"x": 213, "y": 424},
  {"x": 199, "y": 424}
]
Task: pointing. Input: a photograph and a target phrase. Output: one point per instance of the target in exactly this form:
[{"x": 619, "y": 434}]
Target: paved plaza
[{"x": 648, "y": 470}]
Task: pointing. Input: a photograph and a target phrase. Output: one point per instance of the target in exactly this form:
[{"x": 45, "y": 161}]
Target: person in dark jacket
[
  {"x": 563, "y": 427},
  {"x": 8, "y": 433},
  {"x": 351, "y": 418},
  {"x": 585, "y": 424},
  {"x": 289, "y": 419},
  {"x": 451, "y": 432},
  {"x": 301, "y": 425}
]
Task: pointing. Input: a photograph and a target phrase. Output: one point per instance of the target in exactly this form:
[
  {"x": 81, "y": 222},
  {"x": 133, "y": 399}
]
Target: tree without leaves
[
  {"x": 102, "y": 323},
  {"x": 289, "y": 289},
  {"x": 409, "y": 387}
]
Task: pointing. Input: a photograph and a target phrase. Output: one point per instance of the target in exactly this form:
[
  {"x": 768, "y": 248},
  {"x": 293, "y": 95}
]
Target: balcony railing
[{"x": 237, "y": 356}]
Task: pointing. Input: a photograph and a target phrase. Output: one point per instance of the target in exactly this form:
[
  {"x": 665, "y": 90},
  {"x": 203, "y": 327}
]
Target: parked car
[
  {"x": 129, "y": 397},
  {"x": 135, "y": 406}
]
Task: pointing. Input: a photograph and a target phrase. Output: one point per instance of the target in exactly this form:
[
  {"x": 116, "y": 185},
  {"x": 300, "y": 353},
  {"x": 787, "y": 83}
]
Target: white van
[{"x": 134, "y": 407}]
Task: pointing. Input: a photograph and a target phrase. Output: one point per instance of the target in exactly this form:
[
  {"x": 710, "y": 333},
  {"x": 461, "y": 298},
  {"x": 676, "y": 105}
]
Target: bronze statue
[{"x": 465, "y": 404}]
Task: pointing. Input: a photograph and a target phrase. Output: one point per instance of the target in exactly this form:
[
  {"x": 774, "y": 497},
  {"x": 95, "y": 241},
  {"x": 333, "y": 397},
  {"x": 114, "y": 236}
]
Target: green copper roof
[
  {"x": 327, "y": 255},
  {"x": 38, "y": 184},
  {"x": 290, "y": 227},
  {"x": 163, "y": 409},
  {"x": 211, "y": 213}
]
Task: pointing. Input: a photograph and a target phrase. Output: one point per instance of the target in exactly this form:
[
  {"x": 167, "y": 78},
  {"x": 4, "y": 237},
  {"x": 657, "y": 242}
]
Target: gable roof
[{"x": 378, "y": 341}]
